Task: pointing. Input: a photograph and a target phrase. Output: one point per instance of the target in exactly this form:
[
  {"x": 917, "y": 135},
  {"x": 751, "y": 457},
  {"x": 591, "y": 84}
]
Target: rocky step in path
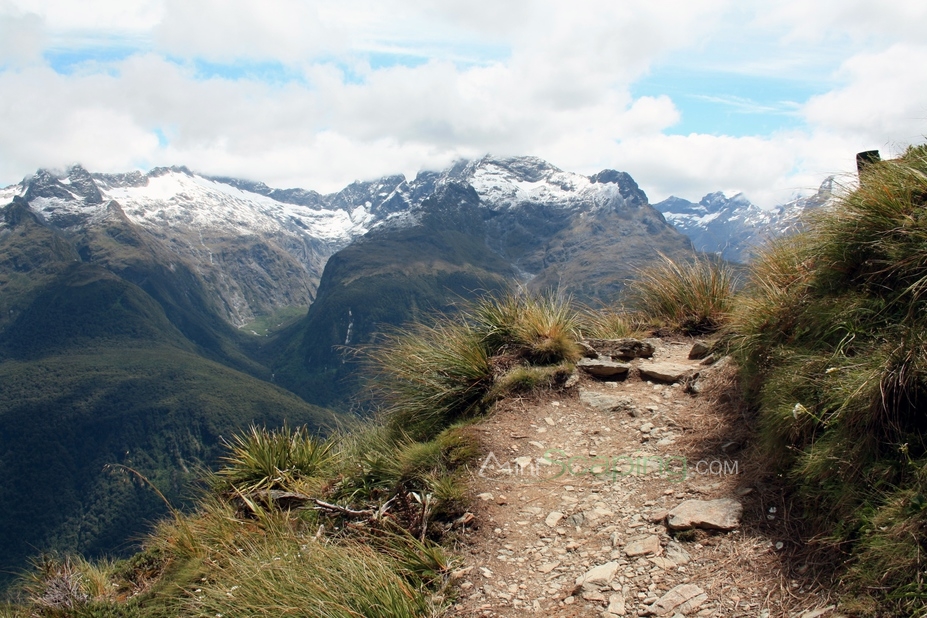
[{"x": 605, "y": 500}]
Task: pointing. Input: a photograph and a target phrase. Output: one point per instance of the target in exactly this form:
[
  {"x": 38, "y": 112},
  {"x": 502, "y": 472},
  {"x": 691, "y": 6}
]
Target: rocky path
[{"x": 578, "y": 491}]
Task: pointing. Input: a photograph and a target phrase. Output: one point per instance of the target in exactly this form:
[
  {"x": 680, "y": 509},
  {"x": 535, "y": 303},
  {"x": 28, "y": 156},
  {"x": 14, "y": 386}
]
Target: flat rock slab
[
  {"x": 676, "y": 553},
  {"x": 600, "y": 575},
  {"x": 723, "y": 514},
  {"x": 616, "y": 605},
  {"x": 682, "y": 599},
  {"x": 547, "y": 567},
  {"x": 647, "y": 545},
  {"x": 664, "y": 563},
  {"x": 627, "y": 348},
  {"x": 605, "y": 402},
  {"x": 599, "y": 368},
  {"x": 665, "y": 372}
]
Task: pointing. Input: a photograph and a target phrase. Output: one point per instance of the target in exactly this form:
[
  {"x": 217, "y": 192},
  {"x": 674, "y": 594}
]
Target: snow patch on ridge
[
  {"x": 178, "y": 199},
  {"x": 8, "y": 193},
  {"x": 499, "y": 185}
]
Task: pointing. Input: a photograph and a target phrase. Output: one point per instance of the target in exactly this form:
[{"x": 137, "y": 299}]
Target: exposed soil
[{"x": 565, "y": 487}]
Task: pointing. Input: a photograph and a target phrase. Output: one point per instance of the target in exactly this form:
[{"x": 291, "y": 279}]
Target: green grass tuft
[
  {"x": 430, "y": 376},
  {"x": 607, "y": 323},
  {"x": 272, "y": 459},
  {"x": 274, "y": 576},
  {"x": 832, "y": 336},
  {"x": 542, "y": 328},
  {"x": 695, "y": 297},
  {"x": 527, "y": 378}
]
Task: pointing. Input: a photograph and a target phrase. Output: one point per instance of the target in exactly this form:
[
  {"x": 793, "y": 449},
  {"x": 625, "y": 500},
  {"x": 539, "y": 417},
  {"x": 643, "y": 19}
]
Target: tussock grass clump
[
  {"x": 541, "y": 328},
  {"x": 430, "y": 376},
  {"x": 607, "y": 323},
  {"x": 264, "y": 458},
  {"x": 832, "y": 334},
  {"x": 527, "y": 378},
  {"x": 58, "y": 587},
  {"x": 378, "y": 467},
  {"x": 274, "y": 576},
  {"x": 695, "y": 296}
]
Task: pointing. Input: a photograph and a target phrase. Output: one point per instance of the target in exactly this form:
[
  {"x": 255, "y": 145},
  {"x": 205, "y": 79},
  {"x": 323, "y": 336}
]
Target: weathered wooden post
[{"x": 864, "y": 159}]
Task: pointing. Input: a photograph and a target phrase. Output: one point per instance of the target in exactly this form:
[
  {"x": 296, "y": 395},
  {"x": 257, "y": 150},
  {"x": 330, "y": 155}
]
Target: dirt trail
[{"x": 566, "y": 487}]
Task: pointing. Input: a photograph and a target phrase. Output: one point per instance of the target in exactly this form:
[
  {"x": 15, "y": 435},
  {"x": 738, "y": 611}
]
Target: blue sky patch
[
  {"x": 270, "y": 72},
  {"x": 68, "y": 61},
  {"x": 722, "y": 103},
  {"x": 381, "y": 60},
  {"x": 162, "y": 137}
]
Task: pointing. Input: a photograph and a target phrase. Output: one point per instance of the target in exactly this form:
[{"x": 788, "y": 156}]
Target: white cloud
[
  {"x": 519, "y": 77},
  {"x": 862, "y": 20},
  {"x": 76, "y": 19},
  {"x": 884, "y": 101},
  {"x": 769, "y": 170},
  {"x": 221, "y": 30},
  {"x": 21, "y": 38}
]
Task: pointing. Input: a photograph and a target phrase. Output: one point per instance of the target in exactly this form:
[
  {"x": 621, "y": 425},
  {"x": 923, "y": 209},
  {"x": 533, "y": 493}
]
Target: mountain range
[
  {"x": 144, "y": 317},
  {"x": 732, "y": 226}
]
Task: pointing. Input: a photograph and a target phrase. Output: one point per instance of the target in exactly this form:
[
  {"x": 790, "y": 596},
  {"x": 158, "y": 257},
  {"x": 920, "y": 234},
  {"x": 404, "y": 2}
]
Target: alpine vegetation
[
  {"x": 694, "y": 296},
  {"x": 430, "y": 376},
  {"x": 352, "y": 525},
  {"x": 832, "y": 335}
]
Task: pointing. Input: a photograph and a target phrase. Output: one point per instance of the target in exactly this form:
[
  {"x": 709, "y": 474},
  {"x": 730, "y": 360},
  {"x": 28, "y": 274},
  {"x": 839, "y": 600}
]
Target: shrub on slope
[
  {"x": 429, "y": 376},
  {"x": 833, "y": 336},
  {"x": 693, "y": 296}
]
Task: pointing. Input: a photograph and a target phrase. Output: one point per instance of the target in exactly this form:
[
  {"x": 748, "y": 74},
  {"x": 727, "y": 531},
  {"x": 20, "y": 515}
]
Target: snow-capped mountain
[
  {"x": 260, "y": 248},
  {"x": 732, "y": 226},
  {"x": 178, "y": 198}
]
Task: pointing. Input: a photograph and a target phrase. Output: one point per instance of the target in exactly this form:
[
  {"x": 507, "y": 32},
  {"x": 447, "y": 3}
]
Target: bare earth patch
[{"x": 573, "y": 492}]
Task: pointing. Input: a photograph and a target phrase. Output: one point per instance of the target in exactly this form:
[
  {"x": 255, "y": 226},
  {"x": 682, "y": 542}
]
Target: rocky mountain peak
[
  {"x": 717, "y": 202},
  {"x": 114, "y": 181},
  {"x": 627, "y": 187},
  {"x": 733, "y": 226},
  {"x": 527, "y": 168},
  {"x": 382, "y": 196},
  {"x": 81, "y": 183},
  {"x": 16, "y": 211},
  {"x": 175, "y": 169},
  {"x": 826, "y": 190},
  {"x": 74, "y": 184}
]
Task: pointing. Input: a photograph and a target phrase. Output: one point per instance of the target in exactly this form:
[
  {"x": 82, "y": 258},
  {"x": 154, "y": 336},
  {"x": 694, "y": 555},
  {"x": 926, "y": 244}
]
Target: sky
[{"x": 764, "y": 97}]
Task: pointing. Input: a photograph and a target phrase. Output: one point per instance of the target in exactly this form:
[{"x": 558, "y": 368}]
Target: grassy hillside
[
  {"x": 157, "y": 409},
  {"x": 292, "y": 524},
  {"x": 31, "y": 256},
  {"x": 87, "y": 306},
  {"x": 111, "y": 352},
  {"x": 833, "y": 338},
  {"x": 137, "y": 257}
]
